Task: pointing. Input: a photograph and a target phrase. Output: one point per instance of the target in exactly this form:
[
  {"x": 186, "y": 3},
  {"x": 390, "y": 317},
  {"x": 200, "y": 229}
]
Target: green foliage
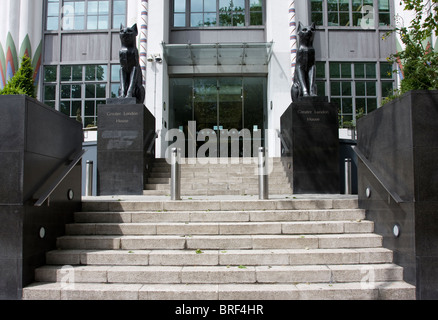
[
  {"x": 426, "y": 17},
  {"x": 22, "y": 82},
  {"x": 419, "y": 60},
  {"x": 11, "y": 91}
]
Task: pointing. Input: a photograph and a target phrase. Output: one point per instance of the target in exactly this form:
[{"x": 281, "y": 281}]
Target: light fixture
[
  {"x": 368, "y": 192},
  {"x": 158, "y": 58},
  {"x": 396, "y": 230},
  {"x": 42, "y": 233},
  {"x": 70, "y": 194}
]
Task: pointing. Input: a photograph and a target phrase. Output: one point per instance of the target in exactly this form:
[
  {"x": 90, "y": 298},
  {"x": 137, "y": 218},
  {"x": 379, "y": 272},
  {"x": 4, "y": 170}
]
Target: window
[
  {"x": 384, "y": 13},
  {"x": 359, "y": 12},
  {"x": 179, "y": 16},
  {"x": 386, "y": 74},
  {"x": 338, "y": 12},
  {"x": 341, "y": 90},
  {"x": 119, "y": 13},
  {"x": 85, "y": 14},
  {"x": 256, "y": 12},
  {"x": 346, "y": 13},
  {"x": 317, "y": 12},
  {"x": 355, "y": 87},
  {"x": 115, "y": 80},
  {"x": 232, "y": 13},
  {"x": 50, "y": 79},
  {"x": 217, "y": 13},
  {"x": 82, "y": 90},
  {"x": 366, "y": 87},
  {"x": 320, "y": 78},
  {"x": 52, "y": 22},
  {"x": 73, "y": 17},
  {"x": 202, "y": 13},
  {"x": 98, "y": 13}
]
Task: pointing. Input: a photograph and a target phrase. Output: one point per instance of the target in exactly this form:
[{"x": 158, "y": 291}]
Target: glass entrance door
[
  {"x": 230, "y": 120},
  {"x": 224, "y": 105}
]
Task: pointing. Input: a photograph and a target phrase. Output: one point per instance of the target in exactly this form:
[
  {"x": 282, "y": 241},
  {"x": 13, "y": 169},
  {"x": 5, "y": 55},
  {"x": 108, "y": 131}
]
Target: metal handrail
[
  {"x": 284, "y": 143},
  {"x": 152, "y": 144},
  {"x": 372, "y": 169},
  {"x": 61, "y": 173}
]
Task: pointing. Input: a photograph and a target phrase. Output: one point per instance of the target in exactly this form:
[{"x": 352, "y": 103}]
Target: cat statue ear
[
  {"x": 300, "y": 26},
  {"x": 135, "y": 29},
  {"x": 313, "y": 26}
]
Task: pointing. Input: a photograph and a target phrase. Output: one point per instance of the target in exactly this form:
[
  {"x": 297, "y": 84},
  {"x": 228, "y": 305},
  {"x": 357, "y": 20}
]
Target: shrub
[{"x": 22, "y": 82}]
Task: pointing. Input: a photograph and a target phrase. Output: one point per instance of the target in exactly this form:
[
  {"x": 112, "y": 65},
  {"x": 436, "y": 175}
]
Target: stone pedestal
[
  {"x": 124, "y": 131},
  {"x": 310, "y": 136}
]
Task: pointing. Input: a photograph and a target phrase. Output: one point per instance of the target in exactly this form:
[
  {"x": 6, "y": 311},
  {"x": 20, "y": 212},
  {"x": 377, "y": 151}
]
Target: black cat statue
[
  {"x": 131, "y": 82},
  {"x": 305, "y": 71}
]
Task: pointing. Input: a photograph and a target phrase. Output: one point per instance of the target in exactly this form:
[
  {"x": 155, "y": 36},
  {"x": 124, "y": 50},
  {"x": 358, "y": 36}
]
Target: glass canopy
[{"x": 218, "y": 54}]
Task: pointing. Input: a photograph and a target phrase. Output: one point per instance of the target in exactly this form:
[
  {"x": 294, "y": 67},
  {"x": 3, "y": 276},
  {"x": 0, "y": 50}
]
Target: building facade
[{"x": 224, "y": 64}]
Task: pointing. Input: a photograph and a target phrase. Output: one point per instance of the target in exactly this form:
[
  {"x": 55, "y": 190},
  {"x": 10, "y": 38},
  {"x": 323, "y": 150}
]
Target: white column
[
  {"x": 21, "y": 23},
  {"x": 144, "y": 37},
  {"x": 293, "y": 35}
]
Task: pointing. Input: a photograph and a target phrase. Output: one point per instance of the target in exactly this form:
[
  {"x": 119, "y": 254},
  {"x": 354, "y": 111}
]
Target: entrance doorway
[{"x": 219, "y": 104}]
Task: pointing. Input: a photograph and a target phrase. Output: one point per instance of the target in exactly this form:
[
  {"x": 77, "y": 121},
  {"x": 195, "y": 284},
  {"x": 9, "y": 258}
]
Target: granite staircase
[
  {"x": 229, "y": 176},
  {"x": 288, "y": 248}
]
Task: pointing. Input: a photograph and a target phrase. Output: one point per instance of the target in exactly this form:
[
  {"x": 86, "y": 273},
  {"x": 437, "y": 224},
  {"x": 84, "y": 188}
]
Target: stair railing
[
  {"x": 152, "y": 144},
  {"x": 58, "y": 176},
  {"x": 394, "y": 195}
]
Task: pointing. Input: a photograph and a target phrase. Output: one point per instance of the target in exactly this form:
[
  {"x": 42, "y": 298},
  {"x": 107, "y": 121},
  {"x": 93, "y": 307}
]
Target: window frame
[
  {"x": 61, "y": 3},
  {"x": 379, "y": 79},
  {"x": 188, "y": 14},
  {"x": 376, "y": 14},
  {"x": 58, "y": 83}
]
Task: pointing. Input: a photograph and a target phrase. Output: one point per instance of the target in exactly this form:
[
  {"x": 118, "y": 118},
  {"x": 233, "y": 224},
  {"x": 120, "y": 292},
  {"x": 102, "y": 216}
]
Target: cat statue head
[
  {"x": 306, "y": 34},
  {"x": 128, "y": 35}
]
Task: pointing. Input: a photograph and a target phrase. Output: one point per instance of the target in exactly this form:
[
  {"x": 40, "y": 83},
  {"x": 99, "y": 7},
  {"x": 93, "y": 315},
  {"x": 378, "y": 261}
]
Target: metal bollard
[
  {"x": 175, "y": 175},
  {"x": 89, "y": 178},
  {"x": 263, "y": 175},
  {"x": 347, "y": 182}
]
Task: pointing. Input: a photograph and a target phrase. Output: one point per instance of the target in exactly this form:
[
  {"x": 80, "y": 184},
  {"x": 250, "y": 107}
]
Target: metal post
[
  {"x": 175, "y": 175},
  {"x": 347, "y": 169},
  {"x": 263, "y": 175},
  {"x": 89, "y": 178}
]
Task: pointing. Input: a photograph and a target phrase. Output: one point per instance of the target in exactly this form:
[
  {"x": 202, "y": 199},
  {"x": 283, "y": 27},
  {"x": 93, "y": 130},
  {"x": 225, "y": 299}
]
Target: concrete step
[
  {"x": 156, "y": 192},
  {"x": 395, "y": 290},
  {"x": 315, "y": 247},
  {"x": 160, "y": 215},
  {"x": 271, "y": 257},
  {"x": 220, "y": 242},
  {"x": 210, "y": 169},
  {"x": 275, "y": 187},
  {"x": 283, "y": 203},
  {"x": 164, "y": 180},
  {"x": 210, "y": 228},
  {"x": 220, "y": 274}
]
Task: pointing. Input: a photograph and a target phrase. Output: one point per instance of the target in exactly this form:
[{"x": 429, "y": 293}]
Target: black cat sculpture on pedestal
[
  {"x": 131, "y": 78},
  {"x": 305, "y": 71}
]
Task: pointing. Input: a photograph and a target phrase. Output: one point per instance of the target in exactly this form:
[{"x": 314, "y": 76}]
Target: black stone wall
[
  {"x": 34, "y": 141},
  {"x": 400, "y": 140}
]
